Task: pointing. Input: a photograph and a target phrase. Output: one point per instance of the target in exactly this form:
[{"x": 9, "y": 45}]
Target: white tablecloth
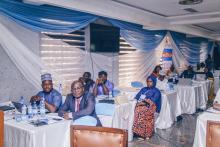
[
  {"x": 170, "y": 109},
  {"x": 122, "y": 118},
  {"x": 216, "y": 84},
  {"x": 22, "y": 134},
  {"x": 200, "y": 134},
  {"x": 187, "y": 96},
  {"x": 203, "y": 93}
]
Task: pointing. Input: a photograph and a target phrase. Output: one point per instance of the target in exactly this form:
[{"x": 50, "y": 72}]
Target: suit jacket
[{"x": 86, "y": 107}]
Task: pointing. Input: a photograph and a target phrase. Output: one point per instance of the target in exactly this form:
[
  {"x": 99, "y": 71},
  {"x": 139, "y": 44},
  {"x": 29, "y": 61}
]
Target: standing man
[
  {"x": 102, "y": 85},
  {"x": 53, "y": 98}
]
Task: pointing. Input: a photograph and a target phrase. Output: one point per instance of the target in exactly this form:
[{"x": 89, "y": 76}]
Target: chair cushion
[
  {"x": 137, "y": 84},
  {"x": 85, "y": 121},
  {"x": 104, "y": 109},
  {"x": 87, "y": 136},
  {"x": 213, "y": 134}
]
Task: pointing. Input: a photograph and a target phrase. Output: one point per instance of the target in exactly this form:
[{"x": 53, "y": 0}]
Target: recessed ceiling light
[{"x": 189, "y": 2}]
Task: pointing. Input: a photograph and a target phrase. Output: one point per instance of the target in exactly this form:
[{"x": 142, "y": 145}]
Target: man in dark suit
[
  {"x": 188, "y": 73},
  {"x": 79, "y": 103}
]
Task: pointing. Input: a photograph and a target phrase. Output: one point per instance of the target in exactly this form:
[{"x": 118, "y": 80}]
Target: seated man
[
  {"x": 161, "y": 81},
  {"x": 78, "y": 103},
  {"x": 171, "y": 72},
  {"x": 188, "y": 73},
  {"x": 208, "y": 74},
  {"x": 88, "y": 82},
  {"x": 53, "y": 98},
  {"x": 102, "y": 85}
]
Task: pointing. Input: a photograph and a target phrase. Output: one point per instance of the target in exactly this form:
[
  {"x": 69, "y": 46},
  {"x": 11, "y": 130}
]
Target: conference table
[
  {"x": 193, "y": 96},
  {"x": 122, "y": 117},
  {"x": 204, "y": 92},
  {"x": 170, "y": 109},
  {"x": 174, "y": 103},
  {"x": 201, "y": 124},
  {"x": 24, "y": 134}
]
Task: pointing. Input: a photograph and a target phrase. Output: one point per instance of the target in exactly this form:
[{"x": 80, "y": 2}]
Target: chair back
[
  {"x": 213, "y": 134},
  {"x": 87, "y": 136},
  {"x": 1, "y": 128},
  {"x": 137, "y": 84},
  {"x": 115, "y": 92}
]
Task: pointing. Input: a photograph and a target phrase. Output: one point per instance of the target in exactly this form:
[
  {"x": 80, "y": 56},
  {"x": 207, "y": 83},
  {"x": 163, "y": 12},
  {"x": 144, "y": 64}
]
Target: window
[{"x": 63, "y": 54}]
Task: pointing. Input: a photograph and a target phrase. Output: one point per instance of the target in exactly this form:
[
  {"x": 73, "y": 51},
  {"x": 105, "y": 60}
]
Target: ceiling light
[{"x": 189, "y": 2}]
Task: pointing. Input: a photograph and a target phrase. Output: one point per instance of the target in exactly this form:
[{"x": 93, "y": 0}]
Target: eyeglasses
[{"x": 77, "y": 88}]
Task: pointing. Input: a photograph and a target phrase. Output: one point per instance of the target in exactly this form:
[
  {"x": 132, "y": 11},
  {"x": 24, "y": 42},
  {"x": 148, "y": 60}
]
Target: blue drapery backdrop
[
  {"x": 56, "y": 19},
  {"x": 194, "y": 49},
  {"x": 137, "y": 36},
  {"x": 45, "y": 17}
]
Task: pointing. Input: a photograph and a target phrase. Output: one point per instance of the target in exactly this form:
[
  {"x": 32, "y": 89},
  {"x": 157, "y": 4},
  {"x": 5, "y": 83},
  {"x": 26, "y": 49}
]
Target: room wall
[{"x": 12, "y": 82}]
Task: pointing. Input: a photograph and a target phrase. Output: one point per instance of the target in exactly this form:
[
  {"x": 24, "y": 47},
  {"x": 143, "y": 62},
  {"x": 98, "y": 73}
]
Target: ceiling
[
  {"x": 206, "y": 18},
  {"x": 154, "y": 14},
  {"x": 171, "y": 7}
]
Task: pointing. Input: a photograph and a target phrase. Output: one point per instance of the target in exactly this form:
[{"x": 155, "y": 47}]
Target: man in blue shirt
[
  {"x": 53, "y": 98},
  {"x": 102, "y": 85}
]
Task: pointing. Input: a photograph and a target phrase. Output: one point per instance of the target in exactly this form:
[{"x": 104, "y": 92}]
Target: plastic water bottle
[
  {"x": 24, "y": 110},
  {"x": 30, "y": 111},
  {"x": 21, "y": 101},
  {"x": 42, "y": 107},
  {"x": 34, "y": 109},
  {"x": 60, "y": 89},
  {"x": 110, "y": 94}
]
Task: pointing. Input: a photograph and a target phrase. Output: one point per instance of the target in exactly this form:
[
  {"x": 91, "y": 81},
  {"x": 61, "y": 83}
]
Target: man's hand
[
  {"x": 35, "y": 98},
  {"x": 99, "y": 81},
  {"x": 66, "y": 116}
]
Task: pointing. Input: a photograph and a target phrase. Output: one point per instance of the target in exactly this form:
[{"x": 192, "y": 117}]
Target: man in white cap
[
  {"x": 162, "y": 81},
  {"x": 53, "y": 98}
]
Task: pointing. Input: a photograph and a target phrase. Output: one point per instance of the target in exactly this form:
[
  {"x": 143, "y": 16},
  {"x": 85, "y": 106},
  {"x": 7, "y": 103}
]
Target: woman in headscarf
[{"x": 149, "y": 102}]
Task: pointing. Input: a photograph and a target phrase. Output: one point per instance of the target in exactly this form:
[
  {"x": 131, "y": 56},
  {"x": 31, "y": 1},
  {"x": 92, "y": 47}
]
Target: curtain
[
  {"x": 28, "y": 63},
  {"x": 136, "y": 36},
  {"x": 138, "y": 65},
  {"x": 54, "y": 19},
  {"x": 45, "y": 17},
  {"x": 179, "y": 61},
  {"x": 194, "y": 49}
]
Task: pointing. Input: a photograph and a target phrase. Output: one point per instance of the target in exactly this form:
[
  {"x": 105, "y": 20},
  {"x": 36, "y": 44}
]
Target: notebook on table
[
  {"x": 6, "y": 108},
  {"x": 17, "y": 105}
]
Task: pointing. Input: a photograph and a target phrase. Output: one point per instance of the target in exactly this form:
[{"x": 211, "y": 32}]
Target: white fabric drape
[
  {"x": 178, "y": 59},
  {"x": 108, "y": 62},
  {"x": 122, "y": 69},
  {"x": 138, "y": 65},
  {"x": 25, "y": 60},
  {"x": 28, "y": 63}
]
